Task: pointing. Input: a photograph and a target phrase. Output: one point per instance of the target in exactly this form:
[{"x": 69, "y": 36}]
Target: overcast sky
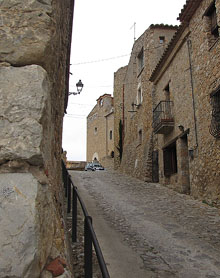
[{"x": 102, "y": 41}]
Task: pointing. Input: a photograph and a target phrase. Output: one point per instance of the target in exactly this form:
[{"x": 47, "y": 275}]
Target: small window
[
  {"x": 141, "y": 60},
  {"x": 215, "y": 122},
  {"x": 101, "y": 102},
  {"x": 140, "y": 136},
  {"x": 96, "y": 129},
  {"x": 110, "y": 135},
  {"x": 162, "y": 39},
  {"x": 139, "y": 96},
  {"x": 170, "y": 160},
  {"x": 167, "y": 92},
  {"x": 212, "y": 16}
]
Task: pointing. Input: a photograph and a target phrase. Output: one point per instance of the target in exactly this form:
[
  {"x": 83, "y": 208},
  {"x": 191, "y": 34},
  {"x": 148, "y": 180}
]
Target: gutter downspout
[
  {"x": 189, "y": 44},
  {"x": 106, "y": 134},
  {"x": 123, "y": 114}
]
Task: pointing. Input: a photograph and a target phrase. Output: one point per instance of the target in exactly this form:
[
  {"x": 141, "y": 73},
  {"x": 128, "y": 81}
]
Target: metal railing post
[
  {"x": 88, "y": 248},
  {"x": 90, "y": 239},
  {"x": 74, "y": 215},
  {"x": 68, "y": 194},
  {"x": 65, "y": 182}
]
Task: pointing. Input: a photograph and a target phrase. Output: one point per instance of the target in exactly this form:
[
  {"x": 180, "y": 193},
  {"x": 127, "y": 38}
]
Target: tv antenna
[{"x": 133, "y": 27}]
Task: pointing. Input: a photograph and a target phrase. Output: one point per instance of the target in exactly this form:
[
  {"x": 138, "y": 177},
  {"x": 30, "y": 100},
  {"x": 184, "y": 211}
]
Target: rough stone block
[
  {"x": 25, "y": 31},
  {"x": 24, "y": 95},
  {"x": 18, "y": 233}
]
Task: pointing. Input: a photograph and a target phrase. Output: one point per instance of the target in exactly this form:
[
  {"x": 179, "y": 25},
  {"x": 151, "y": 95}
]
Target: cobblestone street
[{"x": 170, "y": 234}]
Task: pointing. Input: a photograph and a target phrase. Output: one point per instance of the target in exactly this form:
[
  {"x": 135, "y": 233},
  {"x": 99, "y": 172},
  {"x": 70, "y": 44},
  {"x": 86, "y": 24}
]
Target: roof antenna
[{"x": 133, "y": 26}]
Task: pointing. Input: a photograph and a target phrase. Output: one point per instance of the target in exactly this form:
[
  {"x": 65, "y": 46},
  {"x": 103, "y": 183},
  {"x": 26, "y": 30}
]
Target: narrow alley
[{"x": 148, "y": 230}]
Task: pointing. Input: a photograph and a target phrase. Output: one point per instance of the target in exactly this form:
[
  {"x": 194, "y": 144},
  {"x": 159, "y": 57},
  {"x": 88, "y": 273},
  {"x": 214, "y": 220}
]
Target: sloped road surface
[{"x": 148, "y": 230}]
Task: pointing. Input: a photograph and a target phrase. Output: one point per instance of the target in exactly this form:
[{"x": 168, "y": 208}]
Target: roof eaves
[
  {"x": 102, "y": 96},
  {"x": 188, "y": 10},
  {"x": 163, "y": 26}
]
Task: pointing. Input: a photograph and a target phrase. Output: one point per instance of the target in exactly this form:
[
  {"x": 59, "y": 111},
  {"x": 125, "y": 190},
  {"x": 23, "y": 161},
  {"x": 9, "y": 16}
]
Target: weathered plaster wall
[{"x": 34, "y": 57}]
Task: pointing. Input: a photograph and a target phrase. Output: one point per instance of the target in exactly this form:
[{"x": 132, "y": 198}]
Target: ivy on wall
[{"x": 120, "y": 143}]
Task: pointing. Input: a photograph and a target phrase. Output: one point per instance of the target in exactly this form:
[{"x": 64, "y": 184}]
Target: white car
[{"x": 98, "y": 166}]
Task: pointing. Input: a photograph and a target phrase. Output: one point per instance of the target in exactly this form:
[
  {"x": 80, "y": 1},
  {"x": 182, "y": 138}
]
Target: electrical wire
[
  {"x": 116, "y": 57},
  {"x": 100, "y": 60}
]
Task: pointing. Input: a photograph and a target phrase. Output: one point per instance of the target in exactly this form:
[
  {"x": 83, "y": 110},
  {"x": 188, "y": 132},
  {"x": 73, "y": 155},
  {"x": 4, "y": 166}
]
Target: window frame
[
  {"x": 161, "y": 39},
  {"x": 213, "y": 20},
  {"x": 140, "y": 57},
  {"x": 140, "y": 136},
  {"x": 110, "y": 135},
  {"x": 139, "y": 96}
]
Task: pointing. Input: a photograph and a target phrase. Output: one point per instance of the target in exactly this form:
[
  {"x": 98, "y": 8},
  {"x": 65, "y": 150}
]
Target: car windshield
[{"x": 97, "y": 165}]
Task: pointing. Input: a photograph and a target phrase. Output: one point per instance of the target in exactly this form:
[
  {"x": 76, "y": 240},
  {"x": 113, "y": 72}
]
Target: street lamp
[{"x": 79, "y": 87}]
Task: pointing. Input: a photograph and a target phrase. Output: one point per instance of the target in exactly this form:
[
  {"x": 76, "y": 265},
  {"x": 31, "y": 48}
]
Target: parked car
[
  {"x": 89, "y": 167},
  {"x": 98, "y": 166}
]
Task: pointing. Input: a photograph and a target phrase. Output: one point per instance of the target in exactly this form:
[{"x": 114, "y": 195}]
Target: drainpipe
[
  {"x": 189, "y": 44},
  {"x": 123, "y": 114},
  {"x": 106, "y": 135}
]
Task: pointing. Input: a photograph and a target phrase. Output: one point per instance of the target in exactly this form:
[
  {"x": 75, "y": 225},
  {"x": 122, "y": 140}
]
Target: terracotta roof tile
[
  {"x": 188, "y": 10},
  {"x": 163, "y": 26}
]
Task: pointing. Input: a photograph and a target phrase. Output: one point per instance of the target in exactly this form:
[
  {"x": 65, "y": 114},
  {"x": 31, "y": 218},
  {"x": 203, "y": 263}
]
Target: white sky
[{"x": 102, "y": 30}]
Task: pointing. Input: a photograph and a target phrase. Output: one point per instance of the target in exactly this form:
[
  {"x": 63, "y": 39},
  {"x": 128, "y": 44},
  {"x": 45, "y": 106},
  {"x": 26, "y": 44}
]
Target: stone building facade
[
  {"x": 171, "y": 132},
  {"x": 35, "y": 38},
  {"x": 100, "y": 132},
  {"x": 133, "y": 102},
  {"x": 187, "y": 91}
]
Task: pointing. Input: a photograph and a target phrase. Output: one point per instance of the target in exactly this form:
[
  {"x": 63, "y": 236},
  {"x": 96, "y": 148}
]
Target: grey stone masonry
[{"x": 24, "y": 96}]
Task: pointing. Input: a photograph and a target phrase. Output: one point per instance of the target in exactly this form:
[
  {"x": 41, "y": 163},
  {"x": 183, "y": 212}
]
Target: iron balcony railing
[
  {"x": 163, "y": 119},
  {"x": 72, "y": 194}
]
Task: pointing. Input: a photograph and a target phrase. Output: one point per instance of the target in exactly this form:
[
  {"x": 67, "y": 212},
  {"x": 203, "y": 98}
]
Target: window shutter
[{"x": 214, "y": 24}]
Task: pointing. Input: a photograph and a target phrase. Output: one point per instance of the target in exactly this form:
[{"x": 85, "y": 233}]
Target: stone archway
[{"x": 95, "y": 157}]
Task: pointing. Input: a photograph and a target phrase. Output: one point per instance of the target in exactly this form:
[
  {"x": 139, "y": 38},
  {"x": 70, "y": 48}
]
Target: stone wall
[
  {"x": 100, "y": 122},
  {"x": 76, "y": 165},
  {"x": 118, "y": 111},
  {"x": 34, "y": 68},
  {"x": 137, "y": 143},
  {"x": 191, "y": 68},
  {"x": 205, "y": 173}
]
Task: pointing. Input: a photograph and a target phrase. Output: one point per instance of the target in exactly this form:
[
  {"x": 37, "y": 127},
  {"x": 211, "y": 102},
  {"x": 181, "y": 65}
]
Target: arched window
[{"x": 140, "y": 136}]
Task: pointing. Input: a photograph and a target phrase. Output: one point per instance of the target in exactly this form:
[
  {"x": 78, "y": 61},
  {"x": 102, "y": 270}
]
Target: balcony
[{"x": 163, "y": 120}]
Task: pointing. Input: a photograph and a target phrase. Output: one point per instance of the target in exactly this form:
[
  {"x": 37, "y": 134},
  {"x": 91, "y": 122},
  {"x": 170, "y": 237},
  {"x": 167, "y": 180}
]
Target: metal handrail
[
  {"x": 89, "y": 233},
  {"x": 162, "y": 112}
]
